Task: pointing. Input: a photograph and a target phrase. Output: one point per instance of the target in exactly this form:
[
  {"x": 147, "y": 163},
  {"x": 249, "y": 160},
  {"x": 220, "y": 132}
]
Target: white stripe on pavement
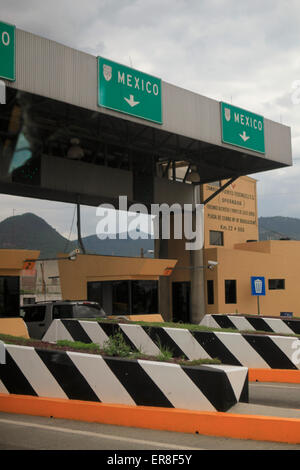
[{"x": 96, "y": 434}]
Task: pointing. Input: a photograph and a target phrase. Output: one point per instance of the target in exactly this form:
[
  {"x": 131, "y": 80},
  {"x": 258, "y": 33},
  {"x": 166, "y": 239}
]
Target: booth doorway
[
  {"x": 9, "y": 296},
  {"x": 181, "y": 301}
]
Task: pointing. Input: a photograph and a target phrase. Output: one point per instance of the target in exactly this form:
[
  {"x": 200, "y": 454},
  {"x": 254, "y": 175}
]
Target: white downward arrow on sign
[
  {"x": 131, "y": 101},
  {"x": 244, "y": 136}
]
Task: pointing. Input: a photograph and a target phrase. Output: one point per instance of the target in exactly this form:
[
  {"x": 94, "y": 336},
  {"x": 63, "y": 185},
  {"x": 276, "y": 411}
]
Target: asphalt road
[
  {"x": 21, "y": 432},
  {"x": 275, "y": 394}
]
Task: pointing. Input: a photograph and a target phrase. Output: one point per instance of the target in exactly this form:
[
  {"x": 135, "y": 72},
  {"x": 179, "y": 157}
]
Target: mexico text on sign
[
  {"x": 129, "y": 91},
  {"x": 242, "y": 128}
]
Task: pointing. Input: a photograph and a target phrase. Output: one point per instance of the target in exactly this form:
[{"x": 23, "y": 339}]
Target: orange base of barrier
[
  {"x": 274, "y": 375},
  {"x": 208, "y": 423}
]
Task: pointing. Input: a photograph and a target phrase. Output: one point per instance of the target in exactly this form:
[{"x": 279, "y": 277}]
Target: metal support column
[{"x": 79, "y": 227}]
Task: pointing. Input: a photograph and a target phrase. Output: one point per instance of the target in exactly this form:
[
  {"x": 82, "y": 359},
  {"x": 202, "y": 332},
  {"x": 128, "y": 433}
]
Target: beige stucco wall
[
  {"x": 74, "y": 275},
  {"x": 233, "y": 212},
  {"x": 12, "y": 261},
  {"x": 278, "y": 259}
]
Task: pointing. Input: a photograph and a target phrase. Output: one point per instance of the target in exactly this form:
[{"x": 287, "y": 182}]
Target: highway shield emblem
[
  {"x": 227, "y": 114},
  {"x": 107, "y": 72}
]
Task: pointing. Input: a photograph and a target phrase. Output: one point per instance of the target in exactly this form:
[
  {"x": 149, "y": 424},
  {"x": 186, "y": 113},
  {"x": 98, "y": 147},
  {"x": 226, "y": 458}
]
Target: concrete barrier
[
  {"x": 2, "y": 353},
  {"x": 248, "y": 350},
  {"x": 94, "y": 378},
  {"x": 253, "y": 323}
]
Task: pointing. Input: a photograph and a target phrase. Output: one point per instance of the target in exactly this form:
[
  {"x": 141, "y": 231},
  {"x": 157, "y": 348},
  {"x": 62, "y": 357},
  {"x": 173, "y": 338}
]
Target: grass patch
[
  {"x": 200, "y": 362},
  {"x": 19, "y": 339},
  {"x": 79, "y": 345},
  {"x": 165, "y": 354},
  {"x": 116, "y": 346}
]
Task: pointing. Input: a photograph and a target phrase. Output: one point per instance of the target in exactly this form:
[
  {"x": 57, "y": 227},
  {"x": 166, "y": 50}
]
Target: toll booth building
[
  {"x": 15, "y": 272},
  {"x": 85, "y": 130}
]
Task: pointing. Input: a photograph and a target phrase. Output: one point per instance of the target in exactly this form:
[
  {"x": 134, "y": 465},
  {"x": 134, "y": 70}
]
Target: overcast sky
[{"x": 245, "y": 52}]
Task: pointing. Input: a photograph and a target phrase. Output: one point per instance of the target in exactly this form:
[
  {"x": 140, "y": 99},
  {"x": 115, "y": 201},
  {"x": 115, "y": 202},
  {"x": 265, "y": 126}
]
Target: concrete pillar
[
  {"x": 198, "y": 302},
  {"x": 164, "y": 284},
  {"x": 189, "y": 268},
  {"x": 165, "y": 298}
]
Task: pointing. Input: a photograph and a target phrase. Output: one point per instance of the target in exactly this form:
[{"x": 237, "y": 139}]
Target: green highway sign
[
  {"x": 129, "y": 91},
  {"x": 7, "y": 51},
  {"x": 242, "y": 128}
]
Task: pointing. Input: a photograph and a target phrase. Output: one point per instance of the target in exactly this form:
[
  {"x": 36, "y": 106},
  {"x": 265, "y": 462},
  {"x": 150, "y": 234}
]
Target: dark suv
[{"x": 39, "y": 316}]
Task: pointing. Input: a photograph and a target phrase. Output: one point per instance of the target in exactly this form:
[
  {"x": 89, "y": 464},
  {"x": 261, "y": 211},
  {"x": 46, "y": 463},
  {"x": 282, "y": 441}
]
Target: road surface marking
[{"x": 95, "y": 434}]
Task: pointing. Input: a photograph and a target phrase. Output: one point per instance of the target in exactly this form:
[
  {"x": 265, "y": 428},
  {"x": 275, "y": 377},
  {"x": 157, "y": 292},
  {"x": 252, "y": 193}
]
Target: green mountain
[
  {"x": 28, "y": 231},
  {"x": 276, "y": 228}
]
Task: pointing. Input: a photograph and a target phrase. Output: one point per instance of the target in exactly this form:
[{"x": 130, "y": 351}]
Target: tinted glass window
[
  {"x": 28, "y": 300},
  {"x": 230, "y": 291},
  {"x": 210, "y": 292},
  {"x": 216, "y": 238},
  {"x": 35, "y": 313},
  {"x": 120, "y": 298},
  {"x": 94, "y": 291},
  {"x": 144, "y": 297},
  {"x": 125, "y": 297},
  {"x": 62, "y": 311},
  {"x": 9, "y": 296},
  {"x": 275, "y": 284},
  {"x": 181, "y": 301}
]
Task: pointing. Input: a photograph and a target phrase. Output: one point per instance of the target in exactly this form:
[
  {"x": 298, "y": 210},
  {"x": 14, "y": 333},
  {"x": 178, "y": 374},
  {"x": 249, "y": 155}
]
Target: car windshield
[{"x": 88, "y": 311}]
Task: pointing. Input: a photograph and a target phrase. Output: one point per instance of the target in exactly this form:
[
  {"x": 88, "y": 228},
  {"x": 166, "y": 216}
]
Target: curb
[
  {"x": 274, "y": 375},
  {"x": 258, "y": 428}
]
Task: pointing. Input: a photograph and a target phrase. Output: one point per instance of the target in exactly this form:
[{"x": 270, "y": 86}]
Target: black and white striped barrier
[
  {"x": 91, "y": 377},
  {"x": 2, "y": 353},
  {"x": 253, "y": 323},
  {"x": 248, "y": 350}
]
